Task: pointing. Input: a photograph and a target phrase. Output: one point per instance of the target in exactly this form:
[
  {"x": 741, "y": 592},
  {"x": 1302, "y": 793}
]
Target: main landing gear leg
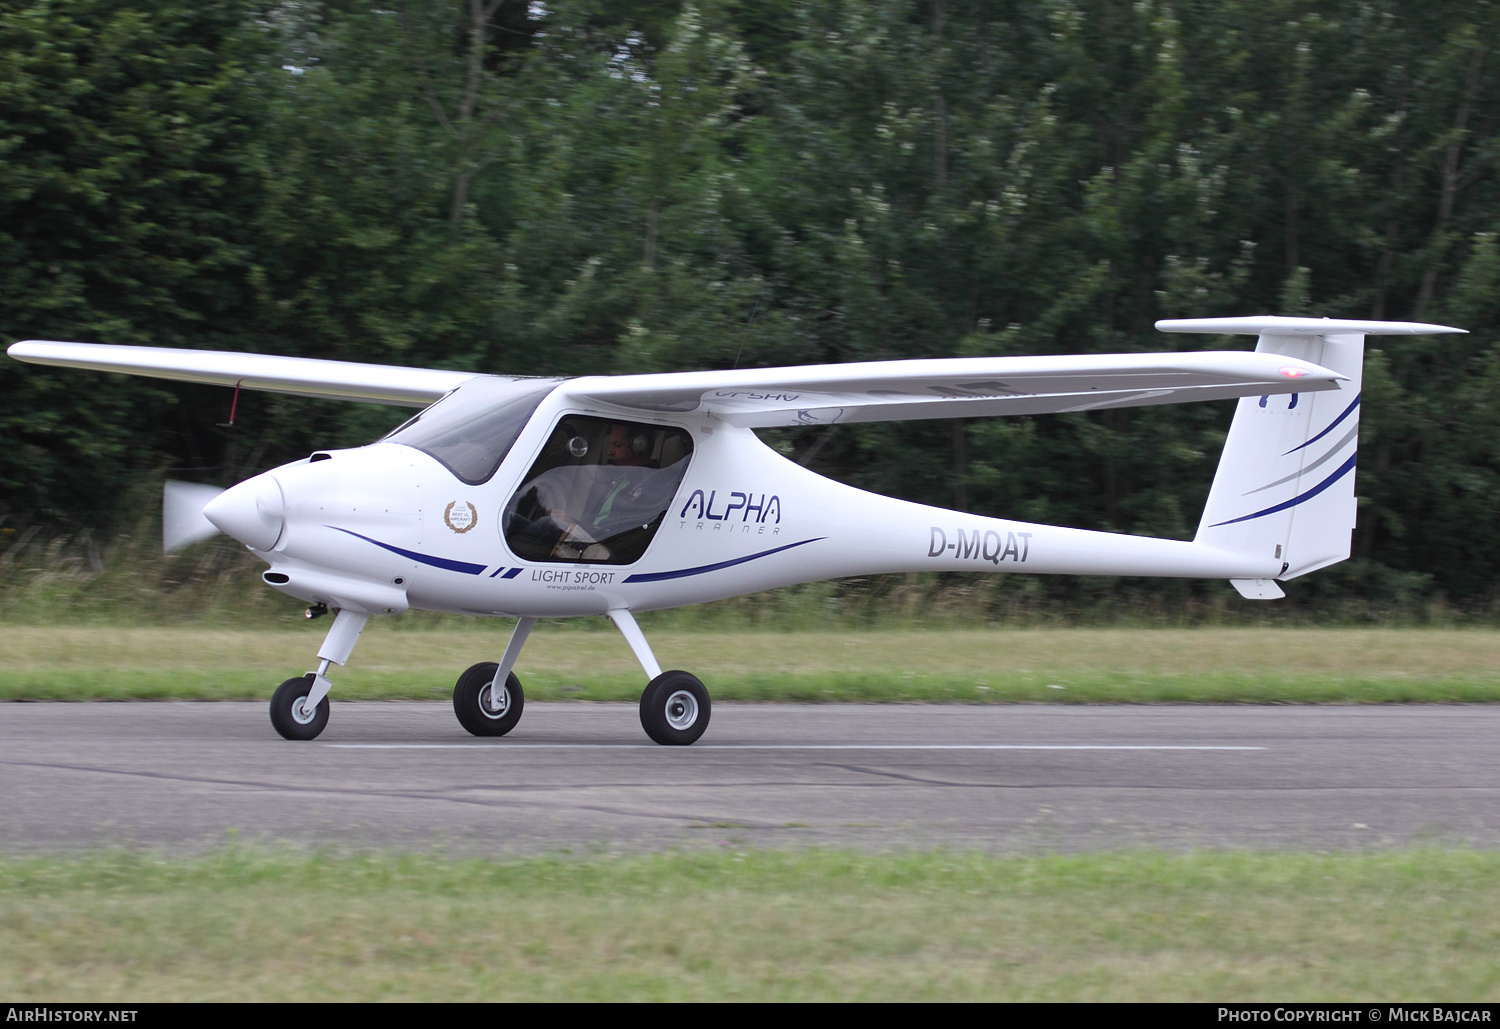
[
  {"x": 487, "y": 698},
  {"x": 674, "y": 706},
  {"x": 299, "y": 707}
]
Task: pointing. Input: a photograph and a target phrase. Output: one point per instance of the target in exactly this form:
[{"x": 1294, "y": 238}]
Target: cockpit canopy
[
  {"x": 472, "y": 429},
  {"x": 597, "y": 492}
]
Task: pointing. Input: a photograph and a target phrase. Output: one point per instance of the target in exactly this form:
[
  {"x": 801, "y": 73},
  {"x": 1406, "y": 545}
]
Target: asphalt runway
[{"x": 583, "y": 778}]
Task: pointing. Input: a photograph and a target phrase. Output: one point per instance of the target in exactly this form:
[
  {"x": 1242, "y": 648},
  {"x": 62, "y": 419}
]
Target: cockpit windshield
[{"x": 472, "y": 429}]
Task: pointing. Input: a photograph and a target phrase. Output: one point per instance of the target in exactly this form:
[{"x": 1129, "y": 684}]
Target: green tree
[{"x": 127, "y": 196}]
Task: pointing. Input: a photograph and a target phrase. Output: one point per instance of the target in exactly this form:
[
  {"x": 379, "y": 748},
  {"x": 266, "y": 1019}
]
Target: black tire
[
  {"x": 286, "y": 705},
  {"x": 675, "y": 709},
  {"x": 471, "y": 697}
]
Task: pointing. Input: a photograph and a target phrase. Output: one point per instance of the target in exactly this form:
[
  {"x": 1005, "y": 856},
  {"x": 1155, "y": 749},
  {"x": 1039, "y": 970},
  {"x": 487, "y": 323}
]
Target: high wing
[
  {"x": 332, "y": 380},
  {"x": 762, "y": 397},
  {"x": 954, "y": 388}
]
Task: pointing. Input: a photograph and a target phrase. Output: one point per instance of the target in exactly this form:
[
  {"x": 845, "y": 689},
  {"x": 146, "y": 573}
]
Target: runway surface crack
[{"x": 411, "y": 795}]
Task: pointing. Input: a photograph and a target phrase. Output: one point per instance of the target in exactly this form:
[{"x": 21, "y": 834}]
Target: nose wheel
[
  {"x": 675, "y": 709},
  {"x": 292, "y": 716},
  {"x": 291, "y": 713},
  {"x": 482, "y": 709}
]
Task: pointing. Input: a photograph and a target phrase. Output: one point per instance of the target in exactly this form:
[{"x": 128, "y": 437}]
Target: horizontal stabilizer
[
  {"x": 1282, "y": 325},
  {"x": 333, "y": 380}
]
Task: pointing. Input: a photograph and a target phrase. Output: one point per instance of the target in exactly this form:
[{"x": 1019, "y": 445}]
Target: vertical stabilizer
[{"x": 1285, "y": 483}]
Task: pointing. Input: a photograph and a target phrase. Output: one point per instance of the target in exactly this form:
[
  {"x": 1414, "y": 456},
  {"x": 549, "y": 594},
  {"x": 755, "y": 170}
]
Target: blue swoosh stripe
[
  {"x": 1331, "y": 425},
  {"x": 701, "y": 569},
  {"x": 467, "y": 567},
  {"x": 1343, "y": 470}
]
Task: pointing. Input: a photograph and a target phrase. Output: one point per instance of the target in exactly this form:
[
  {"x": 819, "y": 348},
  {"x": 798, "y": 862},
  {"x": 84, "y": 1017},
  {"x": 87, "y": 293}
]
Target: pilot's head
[{"x": 625, "y": 449}]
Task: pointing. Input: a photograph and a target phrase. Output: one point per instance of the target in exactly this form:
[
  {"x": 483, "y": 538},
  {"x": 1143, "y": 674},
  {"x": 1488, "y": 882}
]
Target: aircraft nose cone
[{"x": 252, "y": 512}]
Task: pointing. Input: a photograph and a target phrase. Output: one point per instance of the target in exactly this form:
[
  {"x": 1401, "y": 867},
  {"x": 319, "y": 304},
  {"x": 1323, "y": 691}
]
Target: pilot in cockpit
[{"x": 582, "y": 512}]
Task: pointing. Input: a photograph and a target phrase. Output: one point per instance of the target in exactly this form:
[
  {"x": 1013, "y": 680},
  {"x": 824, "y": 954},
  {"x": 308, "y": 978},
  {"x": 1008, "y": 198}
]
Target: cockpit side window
[
  {"x": 472, "y": 429},
  {"x": 598, "y": 492}
]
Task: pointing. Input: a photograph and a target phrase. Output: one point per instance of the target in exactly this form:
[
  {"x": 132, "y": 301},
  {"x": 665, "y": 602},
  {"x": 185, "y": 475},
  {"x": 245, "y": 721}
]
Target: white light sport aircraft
[{"x": 607, "y": 495}]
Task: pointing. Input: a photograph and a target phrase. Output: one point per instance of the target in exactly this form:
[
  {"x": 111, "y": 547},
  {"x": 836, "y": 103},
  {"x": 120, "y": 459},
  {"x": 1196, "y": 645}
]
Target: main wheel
[
  {"x": 289, "y": 713},
  {"x": 675, "y": 709},
  {"x": 474, "y": 708}
]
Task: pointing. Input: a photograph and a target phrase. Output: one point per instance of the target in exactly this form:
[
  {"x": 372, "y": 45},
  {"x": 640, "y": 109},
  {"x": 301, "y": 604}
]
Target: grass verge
[
  {"x": 247, "y": 924},
  {"x": 1255, "y": 665}
]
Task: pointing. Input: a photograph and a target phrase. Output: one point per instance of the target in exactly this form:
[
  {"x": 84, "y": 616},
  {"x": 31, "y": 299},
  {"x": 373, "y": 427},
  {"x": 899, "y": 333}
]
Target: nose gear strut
[{"x": 299, "y": 708}]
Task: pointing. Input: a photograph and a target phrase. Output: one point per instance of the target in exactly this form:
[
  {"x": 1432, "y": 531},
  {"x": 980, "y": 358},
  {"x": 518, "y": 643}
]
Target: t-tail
[{"x": 1285, "y": 484}]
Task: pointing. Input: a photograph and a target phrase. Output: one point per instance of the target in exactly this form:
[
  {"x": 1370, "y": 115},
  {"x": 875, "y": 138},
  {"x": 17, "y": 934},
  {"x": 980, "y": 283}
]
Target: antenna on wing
[{"x": 234, "y": 406}]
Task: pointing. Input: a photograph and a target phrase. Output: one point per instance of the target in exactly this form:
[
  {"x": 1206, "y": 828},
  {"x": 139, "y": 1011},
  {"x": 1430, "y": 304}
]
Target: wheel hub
[
  {"x": 302, "y": 713},
  {"x": 682, "y": 710},
  {"x": 493, "y": 704}
]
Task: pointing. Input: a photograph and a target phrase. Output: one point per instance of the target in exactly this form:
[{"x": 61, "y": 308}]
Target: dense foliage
[{"x": 603, "y": 186}]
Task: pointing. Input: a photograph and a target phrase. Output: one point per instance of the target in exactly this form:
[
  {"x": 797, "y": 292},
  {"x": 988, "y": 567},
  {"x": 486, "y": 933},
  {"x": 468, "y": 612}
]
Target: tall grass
[
  {"x": 78, "y": 576},
  {"x": 75, "y": 576}
]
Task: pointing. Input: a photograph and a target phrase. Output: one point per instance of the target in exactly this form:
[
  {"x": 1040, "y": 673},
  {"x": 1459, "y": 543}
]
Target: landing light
[{"x": 1293, "y": 373}]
